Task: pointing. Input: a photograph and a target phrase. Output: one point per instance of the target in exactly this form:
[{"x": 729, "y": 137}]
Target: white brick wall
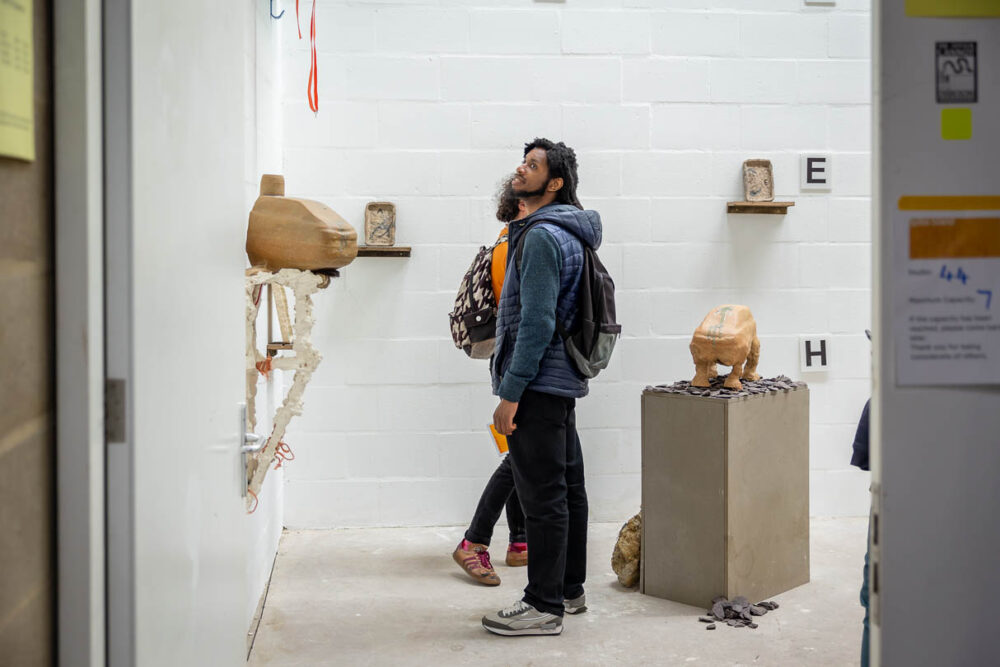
[{"x": 426, "y": 103}]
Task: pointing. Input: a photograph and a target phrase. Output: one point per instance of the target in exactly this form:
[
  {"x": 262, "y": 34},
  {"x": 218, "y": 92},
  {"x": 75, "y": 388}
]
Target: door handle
[
  {"x": 249, "y": 444},
  {"x": 252, "y": 443}
]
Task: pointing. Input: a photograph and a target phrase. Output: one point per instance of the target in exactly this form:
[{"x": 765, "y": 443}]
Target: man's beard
[{"x": 530, "y": 194}]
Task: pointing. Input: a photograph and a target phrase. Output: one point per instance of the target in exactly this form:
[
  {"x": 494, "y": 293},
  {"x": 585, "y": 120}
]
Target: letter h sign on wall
[{"x": 814, "y": 354}]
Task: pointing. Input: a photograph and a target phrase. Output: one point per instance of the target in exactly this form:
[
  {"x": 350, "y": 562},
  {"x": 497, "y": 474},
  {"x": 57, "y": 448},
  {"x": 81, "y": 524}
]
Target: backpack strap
[
  {"x": 469, "y": 288},
  {"x": 519, "y": 251}
]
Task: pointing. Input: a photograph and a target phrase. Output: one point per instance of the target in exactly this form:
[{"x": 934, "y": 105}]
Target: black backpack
[{"x": 593, "y": 340}]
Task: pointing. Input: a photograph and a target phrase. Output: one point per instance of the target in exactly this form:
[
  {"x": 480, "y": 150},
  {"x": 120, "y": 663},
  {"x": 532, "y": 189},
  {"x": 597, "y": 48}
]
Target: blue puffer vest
[{"x": 570, "y": 227}]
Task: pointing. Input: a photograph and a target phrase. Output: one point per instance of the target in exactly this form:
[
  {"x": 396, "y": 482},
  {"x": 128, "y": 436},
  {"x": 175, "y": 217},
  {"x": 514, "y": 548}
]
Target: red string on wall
[
  {"x": 313, "y": 72},
  {"x": 313, "y": 88}
]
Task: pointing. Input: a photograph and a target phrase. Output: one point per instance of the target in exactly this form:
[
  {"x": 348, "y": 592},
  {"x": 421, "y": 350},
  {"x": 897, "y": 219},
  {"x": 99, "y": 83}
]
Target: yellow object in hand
[{"x": 499, "y": 439}]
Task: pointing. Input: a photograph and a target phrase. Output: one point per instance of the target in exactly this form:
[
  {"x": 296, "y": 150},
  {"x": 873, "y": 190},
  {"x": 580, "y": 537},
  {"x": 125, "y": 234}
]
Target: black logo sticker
[{"x": 955, "y": 65}]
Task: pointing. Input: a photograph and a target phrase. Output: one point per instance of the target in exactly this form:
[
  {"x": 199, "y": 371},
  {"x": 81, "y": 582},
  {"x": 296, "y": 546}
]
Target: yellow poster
[
  {"x": 17, "y": 93},
  {"x": 953, "y": 8}
]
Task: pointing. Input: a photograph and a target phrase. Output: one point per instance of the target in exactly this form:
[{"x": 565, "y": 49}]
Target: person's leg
[
  {"x": 538, "y": 448},
  {"x": 517, "y": 547},
  {"x": 576, "y": 496},
  {"x": 491, "y": 503},
  {"x": 515, "y": 517},
  {"x": 864, "y": 602}
]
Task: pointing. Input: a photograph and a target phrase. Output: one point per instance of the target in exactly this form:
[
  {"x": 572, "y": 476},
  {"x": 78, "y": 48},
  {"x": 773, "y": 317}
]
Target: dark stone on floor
[{"x": 736, "y": 613}]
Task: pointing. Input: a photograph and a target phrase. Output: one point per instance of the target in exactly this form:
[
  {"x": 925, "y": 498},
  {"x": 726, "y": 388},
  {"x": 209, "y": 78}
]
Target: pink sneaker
[
  {"x": 475, "y": 560},
  {"x": 517, "y": 554}
]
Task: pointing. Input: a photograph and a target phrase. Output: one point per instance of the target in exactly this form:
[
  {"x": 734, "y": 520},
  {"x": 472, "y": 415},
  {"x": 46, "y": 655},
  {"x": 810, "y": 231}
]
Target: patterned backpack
[{"x": 474, "y": 319}]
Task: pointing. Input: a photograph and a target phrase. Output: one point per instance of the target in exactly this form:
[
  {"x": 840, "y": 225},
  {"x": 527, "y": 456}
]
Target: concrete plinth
[{"x": 725, "y": 495}]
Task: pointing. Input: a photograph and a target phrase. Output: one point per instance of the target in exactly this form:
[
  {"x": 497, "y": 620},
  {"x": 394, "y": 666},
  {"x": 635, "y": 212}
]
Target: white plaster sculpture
[{"x": 304, "y": 360}]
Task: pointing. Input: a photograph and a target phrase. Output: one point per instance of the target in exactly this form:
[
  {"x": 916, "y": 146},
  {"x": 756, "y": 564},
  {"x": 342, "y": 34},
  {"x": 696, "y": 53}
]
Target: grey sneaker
[
  {"x": 577, "y": 605},
  {"x": 522, "y": 619}
]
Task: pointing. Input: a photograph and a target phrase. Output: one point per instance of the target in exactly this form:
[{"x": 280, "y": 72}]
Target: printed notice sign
[
  {"x": 17, "y": 95},
  {"x": 957, "y": 78},
  {"x": 947, "y": 301}
]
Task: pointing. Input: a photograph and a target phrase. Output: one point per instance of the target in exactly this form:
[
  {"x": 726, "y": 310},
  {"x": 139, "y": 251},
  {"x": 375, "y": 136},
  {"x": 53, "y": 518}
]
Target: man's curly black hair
[{"x": 562, "y": 164}]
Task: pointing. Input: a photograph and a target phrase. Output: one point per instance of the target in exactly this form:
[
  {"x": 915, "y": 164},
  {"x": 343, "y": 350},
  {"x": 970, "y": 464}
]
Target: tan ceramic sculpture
[
  {"x": 380, "y": 223},
  {"x": 758, "y": 180},
  {"x": 727, "y": 336},
  {"x": 289, "y": 233}
]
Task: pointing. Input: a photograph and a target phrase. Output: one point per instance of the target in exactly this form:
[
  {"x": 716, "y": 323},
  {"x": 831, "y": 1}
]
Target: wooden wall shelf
[
  {"x": 771, "y": 207},
  {"x": 383, "y": 251}
]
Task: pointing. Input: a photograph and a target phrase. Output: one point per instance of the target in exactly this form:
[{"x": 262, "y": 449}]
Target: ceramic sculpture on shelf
[
  {"x": 727, "y": 336},
  {"x": 758, "y": 180},
  {"x": 289, "y": 233},
  {"x": 380, "y": 223}
]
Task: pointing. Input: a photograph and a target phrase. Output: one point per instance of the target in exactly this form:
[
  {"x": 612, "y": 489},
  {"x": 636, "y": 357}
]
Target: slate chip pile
[
  {"x": 737, "y": 613},
  {"x": 761, "y": 386}
]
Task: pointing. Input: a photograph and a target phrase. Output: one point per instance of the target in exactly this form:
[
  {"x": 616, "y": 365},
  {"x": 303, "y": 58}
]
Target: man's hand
[{"x": 503, "y": 417}]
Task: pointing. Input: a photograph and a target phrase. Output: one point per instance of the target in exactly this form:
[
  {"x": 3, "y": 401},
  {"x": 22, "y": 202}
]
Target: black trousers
[
  {"x": 499, "y": 492},
  {"x": 548, "y": 476}
]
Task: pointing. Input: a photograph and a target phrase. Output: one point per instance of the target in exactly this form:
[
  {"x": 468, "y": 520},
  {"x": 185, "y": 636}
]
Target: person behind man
[
  {"x": 538, "y": 386},
  {"x": 859, "y": 458},
  {"x": 472, "y": 553}
]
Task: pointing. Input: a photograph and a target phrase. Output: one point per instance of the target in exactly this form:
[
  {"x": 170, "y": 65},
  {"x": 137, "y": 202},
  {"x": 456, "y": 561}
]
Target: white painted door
[{"x": 175, "y": 220}]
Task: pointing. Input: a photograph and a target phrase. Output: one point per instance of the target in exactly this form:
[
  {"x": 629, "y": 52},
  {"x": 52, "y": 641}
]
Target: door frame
[
  {"x": 118, "y": 317},
  {"x": 79, "y": 332}
]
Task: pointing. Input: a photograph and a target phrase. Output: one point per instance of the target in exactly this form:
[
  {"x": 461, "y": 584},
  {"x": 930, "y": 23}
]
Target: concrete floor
[{"x": 395, "y": 597}]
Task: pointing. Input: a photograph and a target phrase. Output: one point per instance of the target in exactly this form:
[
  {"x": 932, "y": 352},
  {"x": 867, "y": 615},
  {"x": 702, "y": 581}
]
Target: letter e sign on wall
[
  {"x": 814, "y": 354},
  {"x": 815, "y": 172}
]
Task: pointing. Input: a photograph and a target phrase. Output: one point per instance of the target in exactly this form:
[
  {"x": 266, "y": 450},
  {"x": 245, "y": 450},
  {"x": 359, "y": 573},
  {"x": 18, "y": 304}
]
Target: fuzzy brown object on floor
[{"x": 625, "y": 558}]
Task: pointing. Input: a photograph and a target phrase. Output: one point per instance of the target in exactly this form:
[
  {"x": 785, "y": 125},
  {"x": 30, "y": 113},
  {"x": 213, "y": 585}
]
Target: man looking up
[{"x": 538, "y": 386}]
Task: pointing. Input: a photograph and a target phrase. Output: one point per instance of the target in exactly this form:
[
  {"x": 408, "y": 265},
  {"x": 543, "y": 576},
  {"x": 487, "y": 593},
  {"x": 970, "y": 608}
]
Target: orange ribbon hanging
[{"x": 313, "y": 71}]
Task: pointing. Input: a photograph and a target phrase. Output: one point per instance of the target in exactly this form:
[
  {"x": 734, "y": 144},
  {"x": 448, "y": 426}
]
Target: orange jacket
[{"x": 498, "y": 268}]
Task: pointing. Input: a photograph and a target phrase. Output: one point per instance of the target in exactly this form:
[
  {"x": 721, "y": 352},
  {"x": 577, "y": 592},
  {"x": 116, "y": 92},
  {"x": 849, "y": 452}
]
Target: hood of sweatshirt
[{"x": 584, "y": 224}]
